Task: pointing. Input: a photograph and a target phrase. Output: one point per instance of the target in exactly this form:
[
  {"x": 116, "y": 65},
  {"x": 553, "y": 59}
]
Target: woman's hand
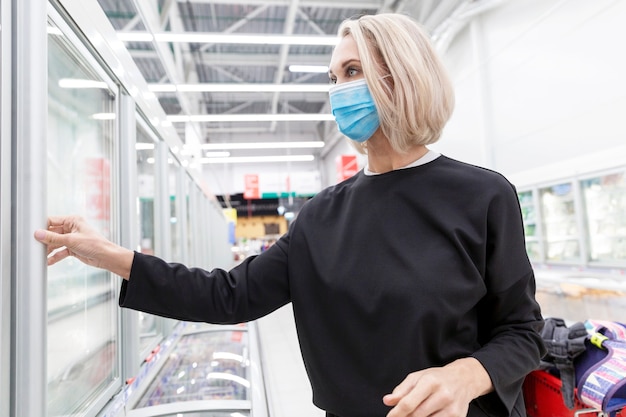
[
  {"x": 445, "y": 391},
  {"x": 72, "y": 236}
]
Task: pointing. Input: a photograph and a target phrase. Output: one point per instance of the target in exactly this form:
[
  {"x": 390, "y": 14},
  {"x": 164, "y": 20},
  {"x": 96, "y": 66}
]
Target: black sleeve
[
  {"x": 254, "y": 288},
  {"x": 510, "y": 319}
]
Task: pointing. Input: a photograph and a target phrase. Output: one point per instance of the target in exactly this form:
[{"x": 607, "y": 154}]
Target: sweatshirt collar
[{"x": 424, "y": 159}]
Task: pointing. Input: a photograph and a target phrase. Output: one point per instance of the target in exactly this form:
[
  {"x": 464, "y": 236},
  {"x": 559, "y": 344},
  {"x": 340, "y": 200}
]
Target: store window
[
  {"x": 82, "y": 330},
  {"x": 604, "y": 199},
  {"x": 149, "y": 329},
  {"x": 560, "y": 227}
]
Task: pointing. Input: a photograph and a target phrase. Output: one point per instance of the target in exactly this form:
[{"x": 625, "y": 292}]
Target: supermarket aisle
[
  {"x": 581, "y": 295},
  {"x": 288, "y": 388}
]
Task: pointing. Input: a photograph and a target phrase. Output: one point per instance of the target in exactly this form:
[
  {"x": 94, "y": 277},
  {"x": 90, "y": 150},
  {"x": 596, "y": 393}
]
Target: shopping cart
[{"x": 542, "y": 397}]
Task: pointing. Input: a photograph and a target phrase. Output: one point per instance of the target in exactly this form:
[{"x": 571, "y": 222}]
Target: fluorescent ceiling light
[
  {"x": 279, "y": 117},
  {"x": 263, "y": 145},
  {"x": 53, "y": 30},
  {"x": 135, "y": 36},
  {"x": 79, "y": 83},
  {"x": 309, "y": 68},
  {"x": 258, "y": 159},
  {"x": 240, "y": 88},
  {"x": 227, "y": 38},
  {"x": 103, "y": 116},
  {"x": 162, "y": 88},
  {"x": 217, "y": 154},
  {"x": 143, "y": 146}
]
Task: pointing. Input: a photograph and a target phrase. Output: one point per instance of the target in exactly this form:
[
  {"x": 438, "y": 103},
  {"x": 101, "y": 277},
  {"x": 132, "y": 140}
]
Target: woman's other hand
[{"x": 445, "y": 391}]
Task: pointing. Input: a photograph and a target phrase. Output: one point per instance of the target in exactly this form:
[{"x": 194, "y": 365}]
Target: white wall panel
[
  {"x": 556, "y": 87},
  {"x": 462, "y": 138}
]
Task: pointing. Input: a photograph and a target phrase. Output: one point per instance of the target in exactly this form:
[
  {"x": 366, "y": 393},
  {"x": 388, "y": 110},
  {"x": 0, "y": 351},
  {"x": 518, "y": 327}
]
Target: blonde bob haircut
[{"x": 410, "y": 86}]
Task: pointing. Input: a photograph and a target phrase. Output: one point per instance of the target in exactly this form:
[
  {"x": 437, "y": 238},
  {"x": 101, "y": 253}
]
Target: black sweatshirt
[{"x": 387, "y": 274}]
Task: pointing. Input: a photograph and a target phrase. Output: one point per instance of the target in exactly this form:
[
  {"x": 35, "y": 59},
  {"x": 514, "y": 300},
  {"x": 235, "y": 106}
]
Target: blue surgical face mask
[{"x": 354, "y": 110}]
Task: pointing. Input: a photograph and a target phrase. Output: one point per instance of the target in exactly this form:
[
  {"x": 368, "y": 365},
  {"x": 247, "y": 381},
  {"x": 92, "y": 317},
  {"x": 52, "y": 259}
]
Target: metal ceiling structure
[{"x": 195, "y": 77}]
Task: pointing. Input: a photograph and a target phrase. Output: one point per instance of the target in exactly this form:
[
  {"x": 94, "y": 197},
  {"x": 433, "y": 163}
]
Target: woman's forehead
[{"x": 345, "y": 51}]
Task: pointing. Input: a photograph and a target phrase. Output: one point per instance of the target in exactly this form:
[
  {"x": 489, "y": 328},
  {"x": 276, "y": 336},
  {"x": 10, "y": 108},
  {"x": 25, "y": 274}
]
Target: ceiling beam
[
  {"x": 226, "y": 59},
  {"x": 330, "y": 4},
  {"x": 442, "y": 11},
  {"x": 222, "y": 97},
  {"x": 290, "y": 20},
  {"x": 239, "y": 24},
  {"x": 152, "y": 21}
]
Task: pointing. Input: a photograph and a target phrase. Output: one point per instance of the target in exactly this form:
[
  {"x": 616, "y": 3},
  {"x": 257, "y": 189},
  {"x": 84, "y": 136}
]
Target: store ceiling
[{"x": 185, "y": 65}]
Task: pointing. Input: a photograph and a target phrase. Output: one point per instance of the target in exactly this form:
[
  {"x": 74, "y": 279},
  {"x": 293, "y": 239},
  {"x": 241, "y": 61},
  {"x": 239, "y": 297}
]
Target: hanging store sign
[{"x": 251, "y": 184}]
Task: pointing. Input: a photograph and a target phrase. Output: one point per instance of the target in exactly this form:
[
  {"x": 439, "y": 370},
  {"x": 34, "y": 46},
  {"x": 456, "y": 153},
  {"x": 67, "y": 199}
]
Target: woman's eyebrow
[{"x": 345, "y": 63}]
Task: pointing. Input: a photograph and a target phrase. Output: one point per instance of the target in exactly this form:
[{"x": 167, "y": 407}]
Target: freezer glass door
[
  {"x": 605, "y": 207},
  {"x": 82, "y": 328},
  {"x": 531, "y": 232},
  {"x": 560, "y": 227},
  {"x": 149, "y": 325}
]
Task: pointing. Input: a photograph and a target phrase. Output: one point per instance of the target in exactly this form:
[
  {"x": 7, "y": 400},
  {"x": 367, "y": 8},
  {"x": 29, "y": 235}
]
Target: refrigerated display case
[
  {"x": 150, "y": 326},
  {"x": 580, "y": 221},
  {"x": 209, "y": 371},
  {"x": 528, "y": 206},
  {"x": 82, "y": 333},
  {"x": 560, "y": 223},
  {"x": 604, "y": 199}
]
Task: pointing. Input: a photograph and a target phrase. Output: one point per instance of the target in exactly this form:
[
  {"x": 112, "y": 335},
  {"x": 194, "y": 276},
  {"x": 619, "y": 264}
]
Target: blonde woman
[{"x": 410, "y": 284}]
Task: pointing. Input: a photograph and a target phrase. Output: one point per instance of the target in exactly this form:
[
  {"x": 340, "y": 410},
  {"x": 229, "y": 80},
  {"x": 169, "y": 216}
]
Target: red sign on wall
[
  {"x": 346, "y": 167},
  {"x": 251, "y": 187}
]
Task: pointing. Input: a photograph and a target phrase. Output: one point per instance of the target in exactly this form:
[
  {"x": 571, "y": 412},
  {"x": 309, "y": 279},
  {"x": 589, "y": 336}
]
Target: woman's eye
[
  {"x": 352, "y": 72},
  {"x": 333, "y": 81}
]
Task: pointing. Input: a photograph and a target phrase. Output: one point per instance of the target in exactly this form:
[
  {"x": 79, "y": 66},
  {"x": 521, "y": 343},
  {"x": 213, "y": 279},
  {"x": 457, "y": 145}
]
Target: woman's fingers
[{"x": 58, "y": 255}]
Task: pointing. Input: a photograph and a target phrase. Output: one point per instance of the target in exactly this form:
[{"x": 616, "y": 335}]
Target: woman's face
[{"x": 345, "y": 63}]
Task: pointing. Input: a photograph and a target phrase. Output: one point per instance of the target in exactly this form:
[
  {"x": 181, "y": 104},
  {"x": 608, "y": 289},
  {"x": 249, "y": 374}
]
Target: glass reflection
[
  {"x": 529, "y": 216},
  {"x": 605, "y": 207},
  {"x": 203, "y": 366},
  {"x": 174, "y": 172},
  {"x": 559, "y": 223},
  {"x": 146, "y": 170},
  {"x": 82, "y": 310},
  {"x": 189, "y": 249},
  {"x": 149, "y": 333}
]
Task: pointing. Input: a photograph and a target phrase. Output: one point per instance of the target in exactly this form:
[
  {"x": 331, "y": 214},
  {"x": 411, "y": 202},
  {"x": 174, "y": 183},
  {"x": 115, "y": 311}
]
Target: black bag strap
[{"x": 564, "y": 344}]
